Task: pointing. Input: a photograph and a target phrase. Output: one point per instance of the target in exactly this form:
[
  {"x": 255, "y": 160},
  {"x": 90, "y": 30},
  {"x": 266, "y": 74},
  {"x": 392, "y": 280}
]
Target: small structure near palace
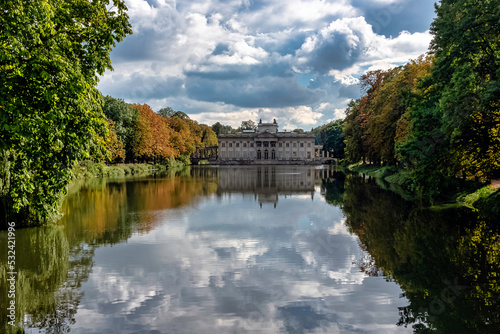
[{"x": 266, "y": 145}]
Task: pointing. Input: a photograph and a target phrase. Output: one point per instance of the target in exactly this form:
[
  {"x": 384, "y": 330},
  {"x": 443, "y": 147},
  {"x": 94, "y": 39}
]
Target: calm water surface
[{"x": 254, "y": 250}]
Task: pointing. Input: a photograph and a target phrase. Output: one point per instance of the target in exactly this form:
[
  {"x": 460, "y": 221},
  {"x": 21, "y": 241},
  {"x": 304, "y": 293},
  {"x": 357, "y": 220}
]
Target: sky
[{"x": 296, "y": 61}]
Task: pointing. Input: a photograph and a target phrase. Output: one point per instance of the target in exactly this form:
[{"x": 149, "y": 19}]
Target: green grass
[
  {"x": 89, "y": 169},
  {"x": 470, "y": 194},
  {"x": 378, "y": 172},
  {"x": 489, "y": 205},
  {"x": 470, "y": 199}
]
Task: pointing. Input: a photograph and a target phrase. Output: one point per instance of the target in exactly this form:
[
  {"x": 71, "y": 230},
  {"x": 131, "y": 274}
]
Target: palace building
[{"x": 266, "y": 145}]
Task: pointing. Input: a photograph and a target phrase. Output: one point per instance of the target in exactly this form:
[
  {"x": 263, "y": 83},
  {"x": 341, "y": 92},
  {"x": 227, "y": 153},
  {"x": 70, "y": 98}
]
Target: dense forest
[{"x": 436, "y": 118}]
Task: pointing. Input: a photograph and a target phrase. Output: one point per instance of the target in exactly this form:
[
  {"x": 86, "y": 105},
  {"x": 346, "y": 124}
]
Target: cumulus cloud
[
  {"x": 346, "y": 43},
  {"x": 337, "y": 46},
  {"x": 245, "y": 55}
]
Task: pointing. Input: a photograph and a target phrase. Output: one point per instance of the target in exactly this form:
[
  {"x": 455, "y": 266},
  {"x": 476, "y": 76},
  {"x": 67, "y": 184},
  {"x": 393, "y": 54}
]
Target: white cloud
[
  {"x": 252, "y": 53},
  {"x": 292, "y": 117},
  {"x": 324, "y": 106},
  {"x": 339, "y": 113}
]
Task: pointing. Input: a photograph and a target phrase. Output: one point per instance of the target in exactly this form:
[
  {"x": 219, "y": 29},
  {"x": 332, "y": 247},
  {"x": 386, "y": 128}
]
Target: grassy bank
[
  {"x": 90, "y": 169},
  {"x": 387, "y": 177},
  {"x": 474, "y": 195}
]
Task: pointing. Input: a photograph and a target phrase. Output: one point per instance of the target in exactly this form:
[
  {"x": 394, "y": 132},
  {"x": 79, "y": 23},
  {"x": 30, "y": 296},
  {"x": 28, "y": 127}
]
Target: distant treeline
[{"x": 137, "y": 133}]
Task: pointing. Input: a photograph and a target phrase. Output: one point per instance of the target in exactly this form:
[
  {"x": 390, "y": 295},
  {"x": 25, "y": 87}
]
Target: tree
[
  {"x": 248, "y": 125},
  {"x": 181, "y": 115},
  {"x": 125, "y": 118},
  {"x": 333, "y": 138},
  {"x": 166, "y": 112},
  {"x": 114, "y": 146},
  {"x": 353, "y": 132},
  {"x": 466, "y": 79},
  {"x": 51, "y": 53},
  {"x": 169, "y": 112},
  {"x": 394, "y": 98},
  {"x": 209, "y": 137},
  {"x": 317, "y": 134},
  {"x": 152, "y": 136},
  {"x": 218, "y": 128},
  {"x": 455, "y": 123}
]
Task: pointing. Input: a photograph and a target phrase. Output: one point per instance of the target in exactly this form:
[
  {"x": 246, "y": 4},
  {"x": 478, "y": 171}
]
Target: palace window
[
  {"x": 223, "y": 144},
  {"x": 280, "y": 144},
  {"x": 273, "y": 155},
  {"x": 237, "y": 144},
  {"x": 266, "y": 144},
  {"x": 230, "y": 144},
  {"x": 301, "y": 144},
  {"x": 294, "y": 144},
  {"x": 259, "y": 144},
  {"x": 259, "y": 155},
  {"x": 251, "y": 144},
  {"x": 266, "y": 154},
  {"x": 273, "y": 144},
  {"x": 287, "y": 144},
  {"x": 308, "y": 144},
  {"x": 244, "y": 144}
]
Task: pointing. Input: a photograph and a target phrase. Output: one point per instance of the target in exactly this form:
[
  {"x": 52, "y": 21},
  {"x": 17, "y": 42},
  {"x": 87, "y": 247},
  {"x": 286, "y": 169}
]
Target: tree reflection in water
[
  {"x": 52, "y": 262},
  {"x": 446, "y": 259}
]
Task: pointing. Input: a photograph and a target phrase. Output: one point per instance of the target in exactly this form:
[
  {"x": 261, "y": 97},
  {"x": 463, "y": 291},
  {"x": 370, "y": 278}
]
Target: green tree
[
  {"x": 218, "y": 128},
  {"x": 114, "y": 146},
  {"x": 51, "y": 53},
  {"x": 181, "y": 115},
  {"x": 353, "y": 132},
  {"x": 166, "y": 112},
  {"x": 393, "y": 100},
  {"x": 248, "y": 125},
  {"x": 466, "y": 78},
  {"x": 125, "y": 118},
  {"x": 208, "y": 136},
  {"x": 169, "y": 112},
  {"x": 333, "y": 138},
  {"x": 455, "y": 127},
  {"x": 317, "y": 134}
]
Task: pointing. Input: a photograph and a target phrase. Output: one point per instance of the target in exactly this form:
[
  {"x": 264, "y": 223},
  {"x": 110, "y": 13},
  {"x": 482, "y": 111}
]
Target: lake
[{"x": 254, "y": 249}]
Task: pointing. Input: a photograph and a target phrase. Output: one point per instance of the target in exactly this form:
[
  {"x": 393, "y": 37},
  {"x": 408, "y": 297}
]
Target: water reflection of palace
[{"x": 267, "y": 183}]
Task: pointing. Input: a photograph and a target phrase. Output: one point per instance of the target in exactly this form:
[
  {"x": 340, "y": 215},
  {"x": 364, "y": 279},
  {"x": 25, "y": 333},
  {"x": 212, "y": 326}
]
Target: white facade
[{"x": 266, "y": 145}]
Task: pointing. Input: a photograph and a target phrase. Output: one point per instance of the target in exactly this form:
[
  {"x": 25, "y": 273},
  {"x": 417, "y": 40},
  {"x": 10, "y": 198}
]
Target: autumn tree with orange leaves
[{"x": 152, "y": 136}]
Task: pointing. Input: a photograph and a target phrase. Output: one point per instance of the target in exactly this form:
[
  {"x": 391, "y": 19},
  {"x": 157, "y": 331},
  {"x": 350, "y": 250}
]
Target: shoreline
[{"x": 474, "y": 195}]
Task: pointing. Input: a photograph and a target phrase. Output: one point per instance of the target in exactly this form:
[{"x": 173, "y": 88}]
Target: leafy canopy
[{"x": 51, "y": 53}]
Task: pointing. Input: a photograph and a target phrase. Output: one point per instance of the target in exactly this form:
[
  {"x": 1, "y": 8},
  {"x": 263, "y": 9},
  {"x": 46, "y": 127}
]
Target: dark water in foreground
[{"x": 254, "y": 250}]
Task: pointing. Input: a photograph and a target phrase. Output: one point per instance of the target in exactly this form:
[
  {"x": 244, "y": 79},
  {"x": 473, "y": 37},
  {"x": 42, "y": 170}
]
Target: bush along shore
[
  {"x": 90, "y": 169},
  {"x": 478, "y": 196}
]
